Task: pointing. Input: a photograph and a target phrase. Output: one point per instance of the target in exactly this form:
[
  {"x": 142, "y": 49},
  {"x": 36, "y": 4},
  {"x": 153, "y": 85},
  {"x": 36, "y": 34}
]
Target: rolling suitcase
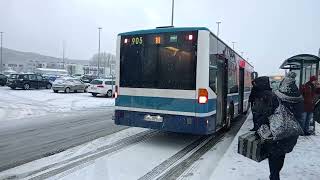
[{"x": 251, "y": 147}]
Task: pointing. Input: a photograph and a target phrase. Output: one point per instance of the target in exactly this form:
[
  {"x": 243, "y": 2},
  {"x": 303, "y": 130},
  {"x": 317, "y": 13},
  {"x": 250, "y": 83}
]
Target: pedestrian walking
[
  {"x": 259, "y": 86},
  {"x": 289, "y": 96},
  {"x": 309, "y": 94}
]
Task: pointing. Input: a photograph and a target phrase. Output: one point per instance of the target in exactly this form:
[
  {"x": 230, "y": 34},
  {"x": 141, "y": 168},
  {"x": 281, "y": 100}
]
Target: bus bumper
[{"x": 172, "y": 123}]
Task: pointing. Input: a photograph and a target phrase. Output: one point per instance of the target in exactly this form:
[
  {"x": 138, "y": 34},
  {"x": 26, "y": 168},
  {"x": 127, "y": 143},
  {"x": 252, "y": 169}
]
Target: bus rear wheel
[{"x": 229, "y": 117}]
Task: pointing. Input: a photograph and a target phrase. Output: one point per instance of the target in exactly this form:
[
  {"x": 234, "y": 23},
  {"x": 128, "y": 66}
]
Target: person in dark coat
[
  {"x": 259, "y": 85},
  {"x": 309, "y": 94},
  {"x": 288, "y": 94}
]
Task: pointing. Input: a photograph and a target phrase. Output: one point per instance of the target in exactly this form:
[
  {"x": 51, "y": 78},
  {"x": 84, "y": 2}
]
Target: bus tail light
[
  {"x": 157, "y": 40},
  {"x": 202, "y": 96}
]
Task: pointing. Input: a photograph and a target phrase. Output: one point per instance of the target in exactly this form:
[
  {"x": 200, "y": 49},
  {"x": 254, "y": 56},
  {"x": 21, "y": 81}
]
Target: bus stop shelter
[{"x": 304, "y": 65}]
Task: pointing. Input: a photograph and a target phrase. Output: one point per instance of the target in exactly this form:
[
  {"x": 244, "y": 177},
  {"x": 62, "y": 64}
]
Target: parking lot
[{"x": 18, "y": 104}]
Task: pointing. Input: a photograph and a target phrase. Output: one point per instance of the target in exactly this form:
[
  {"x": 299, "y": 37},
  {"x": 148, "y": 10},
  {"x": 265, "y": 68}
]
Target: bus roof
[{"x": 162, "y": 30}]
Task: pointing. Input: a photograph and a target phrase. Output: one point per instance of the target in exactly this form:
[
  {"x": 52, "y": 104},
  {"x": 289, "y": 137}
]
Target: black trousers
[
  {"x": 275, "y": 166},
  {"x": 254, "y": 119}
]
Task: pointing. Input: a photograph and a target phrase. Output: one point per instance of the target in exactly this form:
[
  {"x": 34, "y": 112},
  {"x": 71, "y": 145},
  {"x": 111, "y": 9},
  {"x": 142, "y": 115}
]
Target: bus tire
[{"x": 229, "y": 117}]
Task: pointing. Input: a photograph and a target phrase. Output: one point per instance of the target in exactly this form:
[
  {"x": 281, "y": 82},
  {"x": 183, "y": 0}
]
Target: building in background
[
  {"x": 75, "y": 69},
  {"x": 23, "y": 62},
  {"x": 56, "y": 72},
  {"x": 275, "y": 81},
  {"x": 93, "y": 70}
]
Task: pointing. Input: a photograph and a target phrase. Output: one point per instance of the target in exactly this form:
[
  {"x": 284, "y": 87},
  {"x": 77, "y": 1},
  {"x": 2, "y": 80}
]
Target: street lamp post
[
  {"x": 1, "y": 52},
  {"x": 99, "y": 53},
  {"x": 63, "y": 53},
  {"x": 218, "y": 23},
  {"x": 233, "y": 45},
  {"x": 172, "y": 12}
]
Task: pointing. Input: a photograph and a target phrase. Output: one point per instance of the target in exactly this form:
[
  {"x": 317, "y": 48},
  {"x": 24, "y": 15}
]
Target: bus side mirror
[{"x": 254, "y": 75}]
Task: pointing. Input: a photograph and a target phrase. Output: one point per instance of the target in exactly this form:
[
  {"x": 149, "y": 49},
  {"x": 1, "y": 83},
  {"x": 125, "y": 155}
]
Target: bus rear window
[{"x": 160, "y": 61}]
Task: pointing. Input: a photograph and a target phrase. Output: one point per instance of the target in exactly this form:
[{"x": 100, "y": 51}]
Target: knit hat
[
  {"x": 288, "y": 90},
  {"x": 262, "y": 83},
  {"x": 313, "y": 78}
]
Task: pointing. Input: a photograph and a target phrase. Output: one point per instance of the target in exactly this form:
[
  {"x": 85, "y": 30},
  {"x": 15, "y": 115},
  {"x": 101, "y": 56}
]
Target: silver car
[{"x": 69, "y": 85}]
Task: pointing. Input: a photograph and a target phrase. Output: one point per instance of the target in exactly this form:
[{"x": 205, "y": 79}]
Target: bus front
[{"x": 156, "y": 79}]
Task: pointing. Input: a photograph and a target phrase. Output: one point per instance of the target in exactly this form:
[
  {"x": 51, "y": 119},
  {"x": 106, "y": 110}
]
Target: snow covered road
[
  {"x": 133, "y": 153},
  {"x": 27, "y": 142}
]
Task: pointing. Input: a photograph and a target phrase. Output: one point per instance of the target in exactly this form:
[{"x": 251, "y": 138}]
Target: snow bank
[
  {"x": 18, "y": 104},
  {"x": 302, "y": 163}
]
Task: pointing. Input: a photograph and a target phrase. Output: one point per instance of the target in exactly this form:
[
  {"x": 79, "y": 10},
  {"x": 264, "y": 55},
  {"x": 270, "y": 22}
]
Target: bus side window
[
  {"x": 247, "y": 81},
  {"x": 232, "y": 78},
  {"x": 213, "y": 78}
]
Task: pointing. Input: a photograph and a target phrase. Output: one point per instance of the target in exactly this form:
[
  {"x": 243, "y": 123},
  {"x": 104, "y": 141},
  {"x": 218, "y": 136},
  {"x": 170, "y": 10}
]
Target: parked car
[
  {"x": 28, "y": 81},
  {"x": 102, "y": 87},
  {"x": 3, "y": 79},
  {"x": 68, "y": 85},
  {"x": 51, "y": 78},
  {"x": 77, "y": 76},
  {"x": 88, "y": 78}
]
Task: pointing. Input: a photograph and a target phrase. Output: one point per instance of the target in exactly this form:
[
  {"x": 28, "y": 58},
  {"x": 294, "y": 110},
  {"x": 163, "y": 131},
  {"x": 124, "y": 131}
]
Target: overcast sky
[{"x": 267, "y": 31}]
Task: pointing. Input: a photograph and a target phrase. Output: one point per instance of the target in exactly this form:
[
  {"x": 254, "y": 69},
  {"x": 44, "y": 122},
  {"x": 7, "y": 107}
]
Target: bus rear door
[{"x": 222, "y": 90}]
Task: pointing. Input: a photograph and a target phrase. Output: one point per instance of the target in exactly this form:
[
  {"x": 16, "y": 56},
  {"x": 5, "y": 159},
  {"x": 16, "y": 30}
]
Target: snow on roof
[{"x": 49, "y": 69}]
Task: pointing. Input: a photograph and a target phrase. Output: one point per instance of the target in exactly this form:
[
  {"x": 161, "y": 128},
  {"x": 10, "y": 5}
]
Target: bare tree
[{"x": 106, "y": 59}]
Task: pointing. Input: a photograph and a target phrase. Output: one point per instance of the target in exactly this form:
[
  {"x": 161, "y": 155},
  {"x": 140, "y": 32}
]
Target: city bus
[{"x": 183, "y": 80}]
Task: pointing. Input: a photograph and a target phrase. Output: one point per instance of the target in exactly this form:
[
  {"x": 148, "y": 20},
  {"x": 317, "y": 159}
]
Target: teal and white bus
[{"x": 179, "y": 79}]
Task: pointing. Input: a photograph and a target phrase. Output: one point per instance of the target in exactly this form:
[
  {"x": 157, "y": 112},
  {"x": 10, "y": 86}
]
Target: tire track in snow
[
  {"x": 77, "y": 161},
  {"x": 177, "y": 164}
]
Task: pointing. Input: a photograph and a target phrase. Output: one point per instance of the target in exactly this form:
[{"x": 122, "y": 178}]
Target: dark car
[
  {"x": 3, "y": 79},
  {"x": 28, "y": 81},
  {"x": 88, "y": 78},
  {"x": 50, "y": 78}
]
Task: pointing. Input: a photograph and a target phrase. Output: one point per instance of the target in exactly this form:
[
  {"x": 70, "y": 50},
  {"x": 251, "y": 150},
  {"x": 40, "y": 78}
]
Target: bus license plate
[{"x": 153, "y": 118}]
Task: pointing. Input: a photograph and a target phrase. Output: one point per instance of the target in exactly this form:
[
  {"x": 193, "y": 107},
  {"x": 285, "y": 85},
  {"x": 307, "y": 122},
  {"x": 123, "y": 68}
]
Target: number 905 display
[{"x": 137, "y": 40}]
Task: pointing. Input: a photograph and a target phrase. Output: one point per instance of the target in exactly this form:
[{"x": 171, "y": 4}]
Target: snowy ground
[
  {"x": 137, "y": 159},
  {"x": 131, "y": 162},
  {"x": 127, "y": 163},
  {"x": 301, "y": 164},
  {"x": 17, "y": 104}
]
